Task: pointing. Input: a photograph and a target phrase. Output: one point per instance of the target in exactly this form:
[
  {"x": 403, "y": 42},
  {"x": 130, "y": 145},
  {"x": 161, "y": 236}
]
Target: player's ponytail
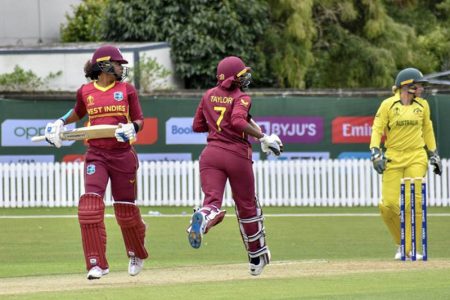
[
  {"x": 90, "y": 71},
  {"x": 394, "y": 89}
]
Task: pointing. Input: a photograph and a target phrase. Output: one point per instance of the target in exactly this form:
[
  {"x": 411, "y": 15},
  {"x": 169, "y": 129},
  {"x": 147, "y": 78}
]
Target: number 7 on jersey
[{"x": 222, "y": 110}]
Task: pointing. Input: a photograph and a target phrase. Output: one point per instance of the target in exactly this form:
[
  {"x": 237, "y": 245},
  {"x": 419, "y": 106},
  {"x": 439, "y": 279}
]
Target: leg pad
[
  {"x": 253, "y": 233},
  {"x": 91, "y": 211},
  {"x": 133, "y": 228},
  {"x": 391, "y": 217}
]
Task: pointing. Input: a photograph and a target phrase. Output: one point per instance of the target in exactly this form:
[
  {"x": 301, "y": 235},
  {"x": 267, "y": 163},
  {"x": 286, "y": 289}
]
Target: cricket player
[
  {"x": 107, "y": 100},
  {"x": 410, "y": 143},
  {"x": 223, "y": 112}
]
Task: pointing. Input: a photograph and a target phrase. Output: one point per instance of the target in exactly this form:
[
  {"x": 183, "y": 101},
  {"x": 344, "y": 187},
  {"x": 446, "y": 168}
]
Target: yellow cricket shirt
[{"x": 407, "y": 127}]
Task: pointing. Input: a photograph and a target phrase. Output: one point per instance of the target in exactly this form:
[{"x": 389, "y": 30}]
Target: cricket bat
[{"x": 83, "y": 133}]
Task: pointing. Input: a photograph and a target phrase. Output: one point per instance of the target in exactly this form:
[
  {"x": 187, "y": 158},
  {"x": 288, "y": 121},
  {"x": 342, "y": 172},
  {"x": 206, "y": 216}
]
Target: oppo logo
[
  {"x": 28, "y": 132},
  {"x": 18, "y": 132}
]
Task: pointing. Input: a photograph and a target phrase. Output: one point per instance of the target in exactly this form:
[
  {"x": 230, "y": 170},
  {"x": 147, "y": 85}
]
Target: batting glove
[
  {"x": 378, "y": 160},
  {"x": 125, "y": 132},
  {"x": 52, "y": 133},
  {"x": 271, "y": 144},
  {"x": 435, "y": 161}
]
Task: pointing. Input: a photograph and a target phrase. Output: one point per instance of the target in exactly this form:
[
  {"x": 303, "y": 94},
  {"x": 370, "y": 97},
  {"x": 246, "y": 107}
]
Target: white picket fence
[{"x": 278, "y": 183}]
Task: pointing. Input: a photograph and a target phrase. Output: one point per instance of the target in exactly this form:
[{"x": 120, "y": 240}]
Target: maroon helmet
[
  {"x": 108, "y": 53},
  {"x": 229, "y": 70},
  {"x": 101, "y": 62}
]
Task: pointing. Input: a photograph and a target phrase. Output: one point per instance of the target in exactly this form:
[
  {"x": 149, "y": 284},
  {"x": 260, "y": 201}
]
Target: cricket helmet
[
  {"x": 102, "y": 58},
  {"x": 231, "y": 70},
  {"x": 108, "y": 53},
  {"x": 409, "y": 76}
]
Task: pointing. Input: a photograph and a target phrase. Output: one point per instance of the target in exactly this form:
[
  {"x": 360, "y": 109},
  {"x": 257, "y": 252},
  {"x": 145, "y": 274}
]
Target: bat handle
[{"x": 38, "y": 138}]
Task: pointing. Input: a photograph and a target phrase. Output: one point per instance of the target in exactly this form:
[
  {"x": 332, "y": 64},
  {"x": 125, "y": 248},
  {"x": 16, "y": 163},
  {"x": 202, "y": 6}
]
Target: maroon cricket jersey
[
  {"x": 224, "y": 114},
  {"x": 117, "y": 103}
]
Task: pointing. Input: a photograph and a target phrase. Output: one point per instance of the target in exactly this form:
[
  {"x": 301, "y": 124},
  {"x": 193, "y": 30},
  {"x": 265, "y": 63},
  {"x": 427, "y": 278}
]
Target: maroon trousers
[
  {"x": 120, "y": 166},
  {"x": 216, "y": 166}
]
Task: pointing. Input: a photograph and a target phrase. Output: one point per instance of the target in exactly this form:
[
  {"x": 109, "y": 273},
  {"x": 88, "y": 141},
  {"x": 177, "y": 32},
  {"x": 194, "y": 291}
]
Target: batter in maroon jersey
[
  {"x": 223, "y": 112},
  {"x": 108, "y": 100}
]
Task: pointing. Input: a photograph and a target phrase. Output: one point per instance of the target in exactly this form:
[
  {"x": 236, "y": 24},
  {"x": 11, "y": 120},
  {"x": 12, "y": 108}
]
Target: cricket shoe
[
  {"x": 135, "y": 265},
  {"x": 418, "y": 256},
  {"x": 398, "y": 254},
  {"x": 96, "y": 273},
  {"x": 196, "y": 229},
  {"x": 257, "y": 264}
]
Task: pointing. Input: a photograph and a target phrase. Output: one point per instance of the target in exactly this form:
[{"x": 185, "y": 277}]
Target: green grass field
[{"x": 313, "y": 257}]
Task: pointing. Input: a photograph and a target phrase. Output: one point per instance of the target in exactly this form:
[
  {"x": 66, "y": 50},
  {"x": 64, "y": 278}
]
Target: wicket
[{"x": 413, "y": 218}]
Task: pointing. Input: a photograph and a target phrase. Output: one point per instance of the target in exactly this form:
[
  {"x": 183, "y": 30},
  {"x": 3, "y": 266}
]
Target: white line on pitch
[{"x": 183, "y": 216}]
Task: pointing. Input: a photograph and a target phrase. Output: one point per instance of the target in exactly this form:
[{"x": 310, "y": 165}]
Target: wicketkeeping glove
[
  {"x": 271, "y": 144},
  {"x": 378, "y": 160},
  {"x": 125, "y": 132},
  {"x": 435, "y": 161},
  {"x": 52, "y": 131}
]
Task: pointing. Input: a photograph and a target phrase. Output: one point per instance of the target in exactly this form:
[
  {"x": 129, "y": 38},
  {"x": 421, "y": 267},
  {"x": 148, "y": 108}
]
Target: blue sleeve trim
[{"x": 66, "y": 116}]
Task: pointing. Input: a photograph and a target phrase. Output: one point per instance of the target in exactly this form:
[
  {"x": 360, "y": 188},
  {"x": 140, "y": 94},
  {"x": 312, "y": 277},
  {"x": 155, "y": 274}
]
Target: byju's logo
[{"x": 302, "y": 129}]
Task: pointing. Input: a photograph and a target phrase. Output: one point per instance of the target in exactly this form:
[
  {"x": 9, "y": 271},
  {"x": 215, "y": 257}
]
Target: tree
[
  {"x": 85, "y": 24},
  {"x": 200, "y": 32},
  {"x": 347, "y": 54},
  {"x": 288, "y": 43}
]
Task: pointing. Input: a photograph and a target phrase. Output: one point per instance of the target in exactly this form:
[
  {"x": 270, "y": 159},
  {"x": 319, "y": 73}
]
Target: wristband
[
  {"x": 66, "y": 116},
  {"x": 136, "y": 127}
]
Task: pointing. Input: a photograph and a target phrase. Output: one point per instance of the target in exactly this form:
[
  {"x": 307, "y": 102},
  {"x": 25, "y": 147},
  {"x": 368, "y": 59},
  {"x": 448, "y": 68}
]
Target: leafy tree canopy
[
  {"x": 200, "y": 32},
  {"x": 288, "y": 43}
]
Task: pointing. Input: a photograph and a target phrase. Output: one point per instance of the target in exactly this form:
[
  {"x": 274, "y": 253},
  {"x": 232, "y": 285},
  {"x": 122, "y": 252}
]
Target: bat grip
[{"x": 38, "y": 138}]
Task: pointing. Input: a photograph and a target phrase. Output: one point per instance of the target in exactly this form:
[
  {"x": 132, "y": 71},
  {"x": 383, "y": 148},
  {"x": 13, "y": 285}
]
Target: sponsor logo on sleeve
[{"x": 244, "y": 103}]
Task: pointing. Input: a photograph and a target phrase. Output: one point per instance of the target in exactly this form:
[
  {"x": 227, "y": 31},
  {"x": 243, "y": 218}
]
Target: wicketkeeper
[
  {"x": 223, "y": 112},
  {"x": 108, "y": 100},
  {"x": 410, "y": 144}
]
